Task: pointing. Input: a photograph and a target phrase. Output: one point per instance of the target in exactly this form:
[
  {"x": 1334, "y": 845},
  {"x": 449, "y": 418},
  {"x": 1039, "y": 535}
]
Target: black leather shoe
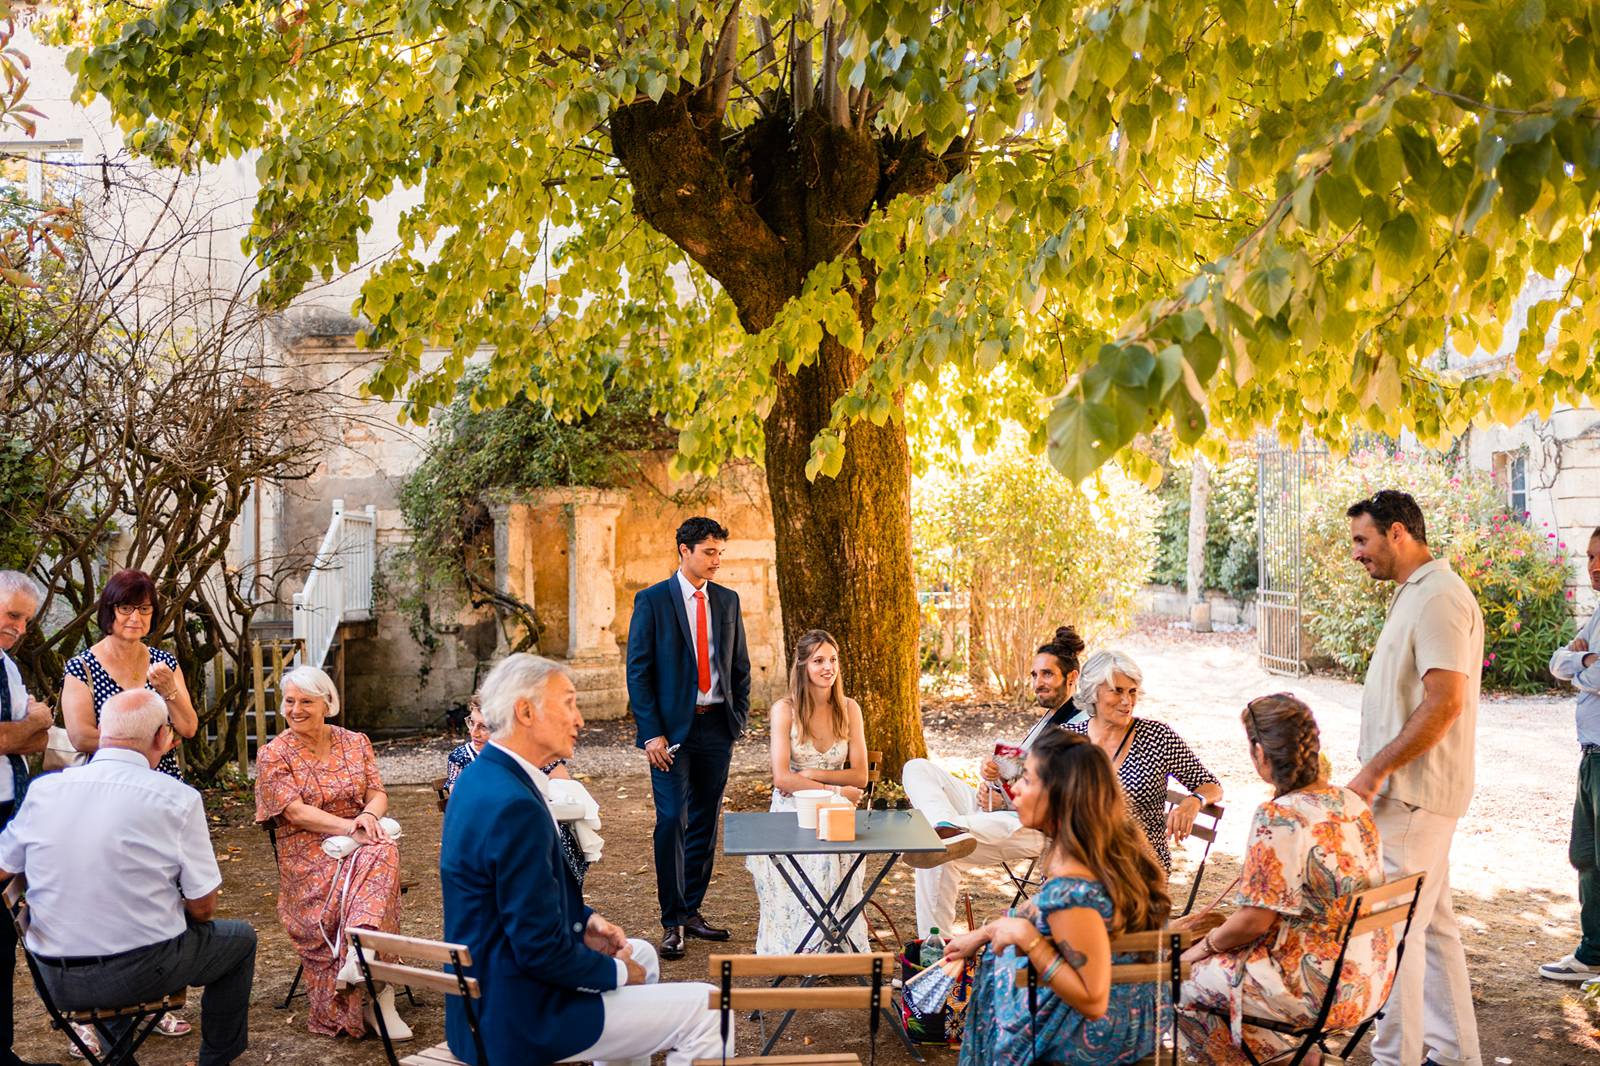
[
  {"x": 672, "y": 943},
  {"x": 701, "y": 929}
]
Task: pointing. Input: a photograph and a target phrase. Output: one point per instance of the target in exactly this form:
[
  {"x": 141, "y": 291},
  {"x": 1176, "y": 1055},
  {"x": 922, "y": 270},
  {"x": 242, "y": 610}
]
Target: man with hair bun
[
  {"x": 1419, "y": 721},
  {"x": 1579, "y": 664},
  {"x": 979, "y": 827}
]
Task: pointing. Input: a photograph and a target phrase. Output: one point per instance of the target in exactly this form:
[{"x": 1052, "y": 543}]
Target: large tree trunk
[{"x": 758, "y": 211}]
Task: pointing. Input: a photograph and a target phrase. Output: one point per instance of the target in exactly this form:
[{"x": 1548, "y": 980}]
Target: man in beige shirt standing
[{"x": 1419, "y": 720}]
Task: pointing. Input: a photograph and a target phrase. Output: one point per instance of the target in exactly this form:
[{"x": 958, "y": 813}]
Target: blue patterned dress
[{"x": 998, "y": 1024}]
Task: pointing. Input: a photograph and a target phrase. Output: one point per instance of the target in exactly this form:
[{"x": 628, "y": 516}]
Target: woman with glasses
[
  {"x": 127, "y": 613},
  {"x": 465, "y": 754},
  {"x": 1311, "y": 847},
  {"x": 1145, "y": 753}
]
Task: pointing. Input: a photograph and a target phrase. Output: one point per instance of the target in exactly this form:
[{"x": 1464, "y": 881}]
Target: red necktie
[{"x": 702, "y": 647}]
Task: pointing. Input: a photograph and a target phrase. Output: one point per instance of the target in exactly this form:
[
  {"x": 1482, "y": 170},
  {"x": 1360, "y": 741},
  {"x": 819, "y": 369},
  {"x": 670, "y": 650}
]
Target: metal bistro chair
[
  {"x": 450, "y": 981},
  {"x": 141, "y": 1018},
  {"x": 1379, "y": 908},
  {"x": 300, "y": 971},
  {"x": 1167, "y": 966},
  {"x": 1206, "y": 831}
]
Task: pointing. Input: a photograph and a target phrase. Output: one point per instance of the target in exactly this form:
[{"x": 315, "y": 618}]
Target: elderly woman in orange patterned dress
[
  {"x": 315, "y": 782},
  {"x": 1311, "y": 847}
]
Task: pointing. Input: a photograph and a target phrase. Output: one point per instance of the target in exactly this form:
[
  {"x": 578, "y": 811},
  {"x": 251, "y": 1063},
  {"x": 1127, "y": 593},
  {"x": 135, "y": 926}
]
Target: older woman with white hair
[
  {"x": 338, "y": 865},
  {"x": 1143, "y": 751}
]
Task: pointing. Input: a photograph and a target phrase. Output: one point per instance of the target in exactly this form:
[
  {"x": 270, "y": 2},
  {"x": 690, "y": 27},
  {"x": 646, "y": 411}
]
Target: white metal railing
[{"x": 339, "y": 587}]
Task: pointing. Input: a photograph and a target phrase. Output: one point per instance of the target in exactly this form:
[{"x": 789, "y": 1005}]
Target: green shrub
[
  {"x": 1032, "y": 551},
  {"x": 1519, "y": 577},
  {"x": 1230, "y": 559},
  {"x": 1516, "y": 574}
]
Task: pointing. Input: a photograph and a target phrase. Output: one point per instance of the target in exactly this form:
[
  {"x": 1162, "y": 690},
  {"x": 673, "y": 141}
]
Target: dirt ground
[{"x": 1514, "y": 891}]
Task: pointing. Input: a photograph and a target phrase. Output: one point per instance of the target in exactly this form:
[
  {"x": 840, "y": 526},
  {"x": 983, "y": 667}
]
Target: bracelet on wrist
[{"x": 1050, "y": 971}]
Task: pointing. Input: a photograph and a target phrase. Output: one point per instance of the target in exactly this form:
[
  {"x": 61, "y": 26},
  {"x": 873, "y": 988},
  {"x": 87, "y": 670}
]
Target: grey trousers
[{"x": 218, "y": 956}]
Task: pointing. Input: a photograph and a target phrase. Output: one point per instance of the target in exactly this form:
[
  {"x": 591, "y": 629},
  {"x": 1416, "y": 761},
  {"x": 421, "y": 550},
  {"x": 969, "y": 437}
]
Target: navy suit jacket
[
  {"x": 509, "y": 896},
  {"x": 662, "y": 673}
]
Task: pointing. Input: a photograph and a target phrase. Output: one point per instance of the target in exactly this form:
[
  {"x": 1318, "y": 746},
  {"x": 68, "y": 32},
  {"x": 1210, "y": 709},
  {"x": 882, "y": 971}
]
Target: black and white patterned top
[
  {"x": 102, "y": 686},
  {"x": 1155, "y": 753}
]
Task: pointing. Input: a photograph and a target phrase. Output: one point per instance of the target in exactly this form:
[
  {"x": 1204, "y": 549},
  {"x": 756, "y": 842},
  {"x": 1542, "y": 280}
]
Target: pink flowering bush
[{"x": 1518, "y": 575}]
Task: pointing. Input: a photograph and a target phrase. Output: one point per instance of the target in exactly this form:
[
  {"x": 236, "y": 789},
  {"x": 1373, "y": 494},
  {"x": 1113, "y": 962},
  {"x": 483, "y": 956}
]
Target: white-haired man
[
  {"x": 560, "y": 983},
  {"x": 24, "y": 727},
  {"x": 143, "y": 926}
]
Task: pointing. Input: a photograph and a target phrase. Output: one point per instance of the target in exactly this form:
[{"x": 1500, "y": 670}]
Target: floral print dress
[
  {"x": 319, "y": 897},
  {"x": 1308, "y": 852},
  {"x": 1001, "y": 1030}
]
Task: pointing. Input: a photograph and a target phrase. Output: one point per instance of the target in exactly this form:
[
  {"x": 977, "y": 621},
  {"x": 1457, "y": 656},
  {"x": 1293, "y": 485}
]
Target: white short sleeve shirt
[
  {"x": 1434, "y": 624},
  {"x": 111, "y": 850}
]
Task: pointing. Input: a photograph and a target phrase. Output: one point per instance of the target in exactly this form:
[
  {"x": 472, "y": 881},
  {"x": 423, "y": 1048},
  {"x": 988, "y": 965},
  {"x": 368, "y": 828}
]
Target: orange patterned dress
[
  {"x": 1309, "y": 851},
  {"x": 320, "y": 897}
]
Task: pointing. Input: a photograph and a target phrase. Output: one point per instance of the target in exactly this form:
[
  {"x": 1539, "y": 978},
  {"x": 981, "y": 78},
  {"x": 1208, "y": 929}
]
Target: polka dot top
[{"x": 102, "y": 686}]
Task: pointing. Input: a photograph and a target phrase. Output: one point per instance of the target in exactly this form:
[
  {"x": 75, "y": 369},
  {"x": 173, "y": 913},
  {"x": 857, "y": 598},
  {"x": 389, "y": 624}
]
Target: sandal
[
  {"x": 87, "y": 1034},
  {"x": 172, "y": 1025}
]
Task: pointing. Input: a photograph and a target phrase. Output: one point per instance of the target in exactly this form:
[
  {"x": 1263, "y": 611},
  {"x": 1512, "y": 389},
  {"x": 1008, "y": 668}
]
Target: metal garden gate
[{"x": 1280, "y": 474}]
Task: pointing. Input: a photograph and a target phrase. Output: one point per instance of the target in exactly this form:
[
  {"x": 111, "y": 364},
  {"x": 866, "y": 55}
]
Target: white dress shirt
[
  {"x": 542, "y": 783},
  {"x": 19, "y": 711},
  {"x": 687, "y": 590},
  {"x": 111, "y": 849}
]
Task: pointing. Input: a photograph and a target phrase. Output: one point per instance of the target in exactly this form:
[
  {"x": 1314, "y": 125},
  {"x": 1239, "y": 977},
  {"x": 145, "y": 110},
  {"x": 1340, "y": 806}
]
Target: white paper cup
[{"x": 805, "y": 805}]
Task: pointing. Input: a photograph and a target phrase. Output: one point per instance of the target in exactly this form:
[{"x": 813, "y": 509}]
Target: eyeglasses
[
  {"x": 128, "y": 610},
  {"x": 477, "y": 727},
  {"x": 1250, "y": 709}
]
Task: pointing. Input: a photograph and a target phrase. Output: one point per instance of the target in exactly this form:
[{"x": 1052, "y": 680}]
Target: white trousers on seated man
[
  {"x": 641, "y": 1020},
  {"x": 942, "y": 798}
]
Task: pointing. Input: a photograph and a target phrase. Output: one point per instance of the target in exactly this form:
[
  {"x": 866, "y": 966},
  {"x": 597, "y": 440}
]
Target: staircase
[{"x": 338, "y": 591}]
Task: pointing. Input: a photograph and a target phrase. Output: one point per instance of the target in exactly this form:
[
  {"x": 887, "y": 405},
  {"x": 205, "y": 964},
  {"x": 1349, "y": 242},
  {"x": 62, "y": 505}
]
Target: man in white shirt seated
[{"x": 122, "y": 883}]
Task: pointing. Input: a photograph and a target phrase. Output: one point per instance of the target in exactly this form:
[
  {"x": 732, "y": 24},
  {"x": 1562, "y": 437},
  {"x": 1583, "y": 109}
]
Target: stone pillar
[{"x": 590, "y": 516}]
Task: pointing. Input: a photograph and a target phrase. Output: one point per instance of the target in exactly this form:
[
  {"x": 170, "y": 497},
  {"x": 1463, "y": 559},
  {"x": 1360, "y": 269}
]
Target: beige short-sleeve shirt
[{"x": 1434, "y": 624}]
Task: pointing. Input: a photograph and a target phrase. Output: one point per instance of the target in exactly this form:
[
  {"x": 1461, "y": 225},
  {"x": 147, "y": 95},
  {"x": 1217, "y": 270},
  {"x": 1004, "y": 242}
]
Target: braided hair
[{"x": 1289, "y": 738}]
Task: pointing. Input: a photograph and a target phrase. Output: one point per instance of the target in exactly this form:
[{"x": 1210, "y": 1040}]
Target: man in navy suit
[
  {"x": 559, "y": 982},
  {"x": 689, "y": 689}
]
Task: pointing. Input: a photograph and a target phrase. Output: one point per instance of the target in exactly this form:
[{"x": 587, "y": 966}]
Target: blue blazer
[
  {"x": 662, "y": 673},
  {"x": 509, "y": 896}
]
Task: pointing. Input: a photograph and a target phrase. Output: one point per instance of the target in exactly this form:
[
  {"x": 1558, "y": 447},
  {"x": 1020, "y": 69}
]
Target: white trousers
[
  {"x": 941, "y": 797},
  {"x": 641, "y": 1020},
  {"x": 1430, "y": 1008}
]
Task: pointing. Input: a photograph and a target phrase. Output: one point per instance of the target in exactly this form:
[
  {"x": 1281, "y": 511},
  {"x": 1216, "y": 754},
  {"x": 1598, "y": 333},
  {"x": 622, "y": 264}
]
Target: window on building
[
  {"x": 1511, "y": 473},
  {"x": 43, "y": 172}
]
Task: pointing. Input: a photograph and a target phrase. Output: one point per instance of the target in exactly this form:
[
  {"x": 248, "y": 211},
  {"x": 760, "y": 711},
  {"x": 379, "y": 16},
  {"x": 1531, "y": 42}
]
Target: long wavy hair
[
  {"x": 1087, "y": 819},
  {"x": 800, "y": 689}
]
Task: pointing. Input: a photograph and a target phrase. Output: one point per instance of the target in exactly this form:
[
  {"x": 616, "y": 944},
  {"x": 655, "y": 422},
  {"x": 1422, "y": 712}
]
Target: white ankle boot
[
  {"x": 398, "y": 1029},
  {"x": 350, "y": 972}
]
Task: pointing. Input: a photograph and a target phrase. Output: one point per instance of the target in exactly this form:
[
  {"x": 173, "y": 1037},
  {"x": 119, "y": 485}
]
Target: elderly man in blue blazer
[
  {"x": 560, "y": 983},
  {"x": 689, "y": 689}
]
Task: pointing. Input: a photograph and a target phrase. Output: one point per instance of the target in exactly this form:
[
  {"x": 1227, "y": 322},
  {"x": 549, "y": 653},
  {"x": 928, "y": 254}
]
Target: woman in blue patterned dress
[{"x": 1102, "y": 880}]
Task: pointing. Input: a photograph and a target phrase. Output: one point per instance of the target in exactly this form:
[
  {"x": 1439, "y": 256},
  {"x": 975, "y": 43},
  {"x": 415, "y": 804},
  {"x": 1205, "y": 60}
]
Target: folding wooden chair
[
  {"x": 441, "y": 792},
  {"x": 140, "y": 1019},
  {"x": 874, "y": 775},
  {"x": 1166, "y": 966},
  {"x": 1029, "y": 881},
  {"x": 1379, "y": 908},
  {"x": 1204, "y": 829},
  {"x": 300, "y": 971},
  {"x": 450, "y": 981},
  {"x": 877, "y": 968}
]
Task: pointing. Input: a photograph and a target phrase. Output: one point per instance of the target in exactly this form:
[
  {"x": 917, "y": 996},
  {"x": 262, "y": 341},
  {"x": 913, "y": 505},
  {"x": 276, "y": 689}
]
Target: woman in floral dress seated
[
  {"x": 1311, "y": 847},
  {"x": 818, "y": 741},
  {"x": 314, "y": 782},
  {"x": 1101, "y": 880}
]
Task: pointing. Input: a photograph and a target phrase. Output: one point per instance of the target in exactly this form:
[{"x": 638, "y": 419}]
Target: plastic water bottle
[{"x": 932, "y": 948}]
